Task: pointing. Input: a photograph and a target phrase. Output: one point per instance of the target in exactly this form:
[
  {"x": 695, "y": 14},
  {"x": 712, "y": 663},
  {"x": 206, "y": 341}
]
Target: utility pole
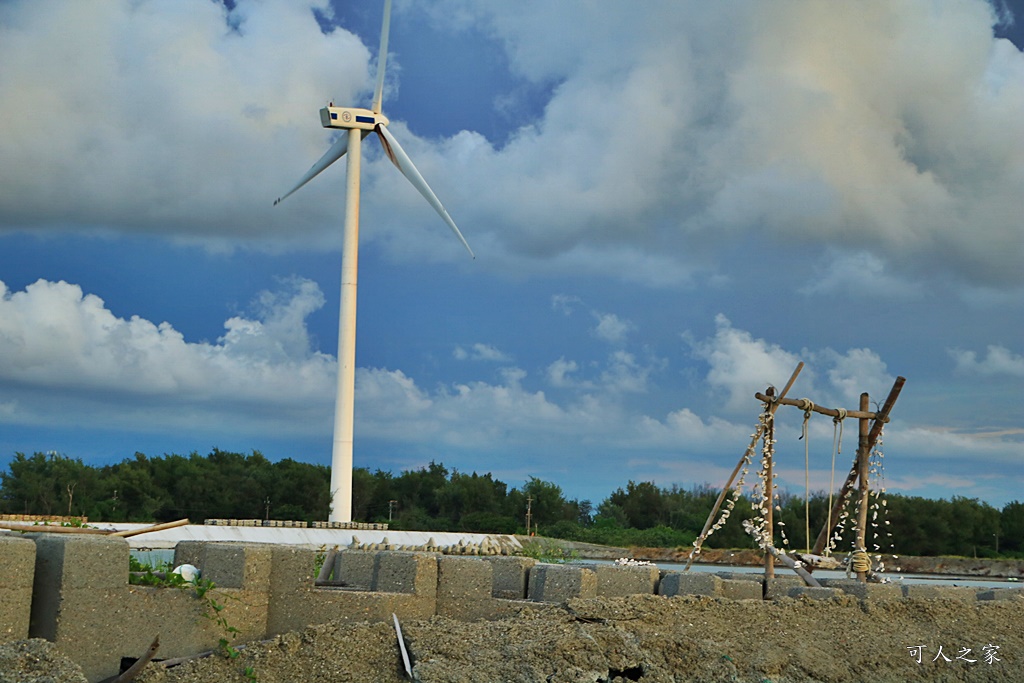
[
  {"x": 391, "y": 508},
  {"x": 529, "y": 514}
]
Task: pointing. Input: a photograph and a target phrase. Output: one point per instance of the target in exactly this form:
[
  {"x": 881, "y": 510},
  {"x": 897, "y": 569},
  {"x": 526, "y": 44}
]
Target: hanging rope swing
[
  {"x": 808, "y": 407},
  {"x": 837, "y": 447}
]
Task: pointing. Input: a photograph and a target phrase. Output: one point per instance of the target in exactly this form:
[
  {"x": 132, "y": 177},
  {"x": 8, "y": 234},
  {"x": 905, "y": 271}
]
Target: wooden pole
[
  {"x": 881, "y": 417},
  {"x": 831, "y": 412},
  {"x": 863, "y": 456},
  {"x": 768, "y": 496},
  {"x": 145, "y": 530},
  {"x": 772, "y": 407}
]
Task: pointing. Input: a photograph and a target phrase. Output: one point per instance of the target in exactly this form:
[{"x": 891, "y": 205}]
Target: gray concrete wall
[
  {"x": 73, "y": 590},
  {"x": 17, "y": 567}
]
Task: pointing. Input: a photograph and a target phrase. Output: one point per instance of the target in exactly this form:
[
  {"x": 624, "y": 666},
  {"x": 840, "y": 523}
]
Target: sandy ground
[{"x": 641, "y": 638}]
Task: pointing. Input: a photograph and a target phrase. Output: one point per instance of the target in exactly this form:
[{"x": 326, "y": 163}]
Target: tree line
[{"x": 223, "y": 484}]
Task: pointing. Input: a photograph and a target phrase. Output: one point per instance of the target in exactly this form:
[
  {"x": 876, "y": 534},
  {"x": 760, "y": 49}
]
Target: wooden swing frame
[{"x": 869, "y": 429}]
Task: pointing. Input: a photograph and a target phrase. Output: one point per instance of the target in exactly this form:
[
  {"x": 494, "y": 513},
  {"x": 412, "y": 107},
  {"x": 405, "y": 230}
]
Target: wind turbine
[{"x": 357, "y": 124}]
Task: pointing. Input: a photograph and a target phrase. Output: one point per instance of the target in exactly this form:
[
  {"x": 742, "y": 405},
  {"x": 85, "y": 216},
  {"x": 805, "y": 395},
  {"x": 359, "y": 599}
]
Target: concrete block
[
  {"x": 81, "y": 560},
  {"x": 511, "y": 576},
  {"x": 406, "y": 572},
  {"x": 83, "y": 604},
  {"x": 689, "y": 583},
  {"x": 1001, "y": 594},
  {"x": 464, "y": 586},
  {"x": 757, "y": 577},
  {"x": 780, "y": 585},
  {"x": 559, "y": 582},
  {"x": 917, "y": 591},
  {"x": 814, "y": 593},
  {"x": 742, "y": 589},
  {"x": 865, "y": 591},
  {"x": 460, "y": 578},
  {"x": 17, "y": 567},
  {"x": 228, "y": 564},
  {"x": 616, "y": 581},
  {"x": 355, "y": 568}
]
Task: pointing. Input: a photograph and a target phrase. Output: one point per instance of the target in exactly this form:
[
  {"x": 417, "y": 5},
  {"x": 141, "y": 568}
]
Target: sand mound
[
  {"x": 653, "y": 639},
  {"x": 36, "y": 661}
]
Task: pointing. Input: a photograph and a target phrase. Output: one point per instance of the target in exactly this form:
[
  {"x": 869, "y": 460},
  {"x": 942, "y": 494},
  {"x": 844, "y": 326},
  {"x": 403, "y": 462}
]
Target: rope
[
  {"x": 837, "y": 445},
  {"x": 860, "y": 561},
  {"x": 807, "y": 406}
]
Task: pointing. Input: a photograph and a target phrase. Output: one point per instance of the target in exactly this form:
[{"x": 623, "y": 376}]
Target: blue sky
[{"x": 670, "y": 208}]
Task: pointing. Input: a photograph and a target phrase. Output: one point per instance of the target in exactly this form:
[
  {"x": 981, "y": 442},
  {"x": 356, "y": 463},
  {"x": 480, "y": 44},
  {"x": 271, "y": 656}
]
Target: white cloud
[
  {"x": 853, "y": 373},
  {"x": 886, "y": 129},
  {"x": 998, "y": 361},
  {"x": 177, "y": 123},
  {"x": 624, "y": 374},
  {"x": 611, "y": 328},
  {"x": 564, "y": 303},
  {"x": 260, "y": 372},
  {"x": 860, "y": 275},
  {"x": 740, "y": 365},
  {"x": 481, "y": 352},
  {"x": 559, "y": 373}
]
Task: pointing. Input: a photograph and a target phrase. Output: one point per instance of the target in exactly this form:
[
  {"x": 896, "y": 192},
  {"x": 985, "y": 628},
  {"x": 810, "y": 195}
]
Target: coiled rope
[{"x": 860, "y": 561}]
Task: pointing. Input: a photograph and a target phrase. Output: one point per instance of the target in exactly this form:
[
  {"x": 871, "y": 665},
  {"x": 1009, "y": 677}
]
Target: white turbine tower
[{"x": 357, "y": 124}]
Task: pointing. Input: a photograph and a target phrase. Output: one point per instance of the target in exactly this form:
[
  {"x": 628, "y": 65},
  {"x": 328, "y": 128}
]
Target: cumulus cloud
[
  {"x": 998, "y": 361},
  {"x": 884, "y": 129},
  {"x": 860, "y": 274},
  {"x": 853, "y": 373},
  {"x": 180, "y": 118},
  {"x": 481, "y": 352},
  {"x": 559, "y": 374},
  {"x": 611, "y": 328},
  {"x": 55, "y": 337},
  {"x": 740, "y": 365}
]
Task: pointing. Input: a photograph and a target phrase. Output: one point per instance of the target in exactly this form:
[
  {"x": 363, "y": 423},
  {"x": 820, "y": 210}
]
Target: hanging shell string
[
  {"x": 737, "y": 491},
  {"x": 759, "y": 496},
  {"x": 883, "y": 543}
]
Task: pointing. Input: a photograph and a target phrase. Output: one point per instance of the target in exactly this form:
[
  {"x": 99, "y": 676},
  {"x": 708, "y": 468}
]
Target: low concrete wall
[
  {"x": 73, "y": 590},
  {"x": 17, "y": 567}
]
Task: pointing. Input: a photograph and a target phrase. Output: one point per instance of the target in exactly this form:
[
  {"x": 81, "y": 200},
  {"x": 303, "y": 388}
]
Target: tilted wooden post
[{"x": 772, "y": 407}]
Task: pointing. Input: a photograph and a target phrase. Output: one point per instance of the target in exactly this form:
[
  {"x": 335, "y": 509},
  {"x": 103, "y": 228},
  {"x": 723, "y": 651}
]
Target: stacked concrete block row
[{"x": 73, "y": 590}]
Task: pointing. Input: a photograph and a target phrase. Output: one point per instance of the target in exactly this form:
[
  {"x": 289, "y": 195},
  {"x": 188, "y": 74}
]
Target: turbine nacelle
[{"x": 351, "y": 117}]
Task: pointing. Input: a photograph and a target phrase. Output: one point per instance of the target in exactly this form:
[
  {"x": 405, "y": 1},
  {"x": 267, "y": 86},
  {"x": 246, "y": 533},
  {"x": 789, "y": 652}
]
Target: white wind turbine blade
[
  {"x": 336, "y": 151},
  {"x": 382, "y": 58},
  {"x": 400, "y": 159}
]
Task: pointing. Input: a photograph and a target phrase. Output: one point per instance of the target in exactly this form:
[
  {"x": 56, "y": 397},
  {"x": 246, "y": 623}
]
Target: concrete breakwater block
[
  {"x": 228, "y": 564},
  {"x": 355, "y": 568},
  {"x": 1001, "y": 594},
  {"x": 511, "y": 576},
  {"x": 924, "y": 592},
  {"x": 404, "y": 572},
  {"x": 699, "y": 583},
  {"x": 558, "y": 583},
  {"x": 17, "y": 567},
  {"x": 619, "y": 581},
  {"x": 464, "y": 588},
  {"x": 865, "y": 591}
]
